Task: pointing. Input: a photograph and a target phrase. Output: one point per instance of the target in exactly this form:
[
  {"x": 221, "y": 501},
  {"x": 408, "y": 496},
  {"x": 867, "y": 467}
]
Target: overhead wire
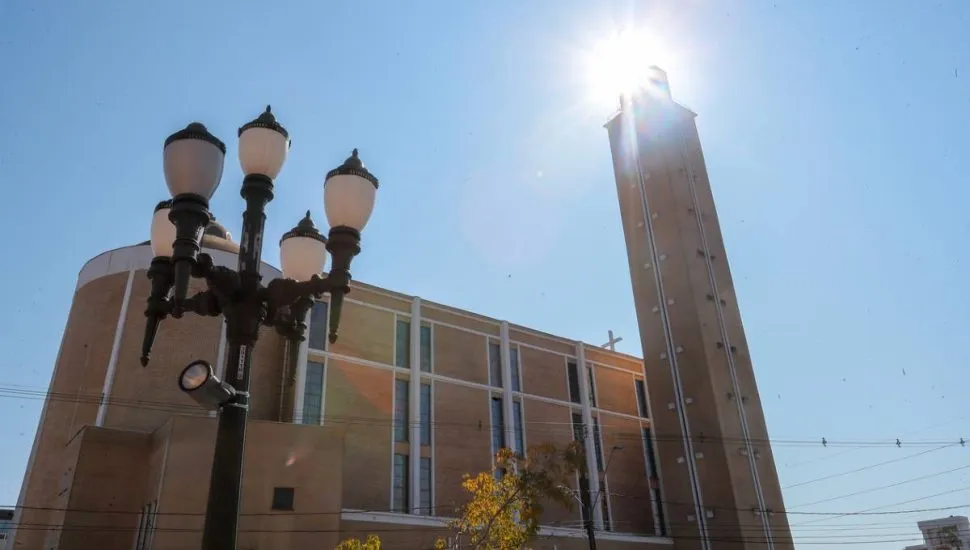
[
  {"x": 193, "y": 410},
  {"x": 881, "y": 487}
]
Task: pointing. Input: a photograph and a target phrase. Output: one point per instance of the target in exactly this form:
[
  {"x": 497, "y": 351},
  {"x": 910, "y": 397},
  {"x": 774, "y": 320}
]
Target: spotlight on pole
[{"x": 201, "y": 384}]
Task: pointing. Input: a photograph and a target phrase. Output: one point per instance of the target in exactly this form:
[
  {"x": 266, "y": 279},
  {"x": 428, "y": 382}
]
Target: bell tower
[{"x": 719, "y": 485}]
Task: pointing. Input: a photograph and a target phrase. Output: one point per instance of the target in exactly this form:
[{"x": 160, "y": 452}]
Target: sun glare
[{"x": 621, "y": 64}]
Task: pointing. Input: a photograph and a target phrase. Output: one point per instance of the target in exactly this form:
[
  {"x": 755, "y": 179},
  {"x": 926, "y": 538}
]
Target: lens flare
[{"x": 624, "y": 63}]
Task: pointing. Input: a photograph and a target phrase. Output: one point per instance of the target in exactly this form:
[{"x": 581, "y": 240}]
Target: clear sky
[{"x": 836, "y": 133}]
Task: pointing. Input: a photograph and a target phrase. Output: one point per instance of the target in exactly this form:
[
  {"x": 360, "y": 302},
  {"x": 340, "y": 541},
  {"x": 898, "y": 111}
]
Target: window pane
[
  {"x": 654, "y": 481},
  {"x": 578, "y": 427},
  {"x": 402, "y": 344},
  {"x": 648, "y": 449},
  {"x": 597, "y": 444},
  {"x": 400, "y": 483},
  {"x": 606, "y": 511},
  {"x": 661, "y": 520},
  {"x": 514, "y": 367},
  {"x": 498, "y": 426},
  {"x": 573, "y": 374},
  {"x": 584, "y": 497},
  {"x": 401, "y": 410},
  {"x": 426, "y": 348},
  {"x": 140, "y": 534},
  {"x": 517, "y": 427},
  {"x": 641, "y": 398},
  {"x": 283, "y": 498},
  {"x": 318, "y": 326},
  {"x": 592, "y": 386},
  {"x": 495, "y": 364},
  {"x": 425, "y": 504},
  {"x": 426, "y": 414},
  {"x": 313, "y": 394}
]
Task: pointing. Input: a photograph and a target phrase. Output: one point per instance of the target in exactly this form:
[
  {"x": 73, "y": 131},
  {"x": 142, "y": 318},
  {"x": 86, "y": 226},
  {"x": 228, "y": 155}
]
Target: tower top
[{"x": 657, "y": 80}]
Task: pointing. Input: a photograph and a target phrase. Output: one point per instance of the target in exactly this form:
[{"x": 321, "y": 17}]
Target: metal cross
[{"x": 613, "y": 341}]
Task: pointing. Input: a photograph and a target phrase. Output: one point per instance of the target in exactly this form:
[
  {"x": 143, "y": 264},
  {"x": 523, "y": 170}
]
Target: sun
[{"x": 622, "y": 64}]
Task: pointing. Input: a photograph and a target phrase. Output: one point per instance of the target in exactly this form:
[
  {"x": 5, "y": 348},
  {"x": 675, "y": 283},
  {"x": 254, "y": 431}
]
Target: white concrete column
[
  {"x": 506, "y": 356},
  {"x": 588, "y": 436},
  {"x": 299, "y": 384},
  {"x": 414, "y": 406},
  {"x": 109, "y": 375}
]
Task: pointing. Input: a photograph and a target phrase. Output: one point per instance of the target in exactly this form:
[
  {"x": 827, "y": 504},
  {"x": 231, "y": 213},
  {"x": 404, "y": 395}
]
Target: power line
[
  {"x": 882, "y": 487},
  {"x": 193, "y": 410},
  {"x": 871, "y": 511},
  {"x": 634, "y": 497},
  {"x": 847, "y": 451},
  {"x": 841, "y": 540},
  {"x": 822, "y": 535},
  {"x": 864, "y": 468}
]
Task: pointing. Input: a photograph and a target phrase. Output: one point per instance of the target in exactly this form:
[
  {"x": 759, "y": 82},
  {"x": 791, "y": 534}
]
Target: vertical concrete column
[
  {"x": 588, "y": 437},
  {"x": 414, "y": 406},
  {"x": 506, "y": 357},
  {"x": 109, "y": 375},
  {"x": 299, "y": 384}
]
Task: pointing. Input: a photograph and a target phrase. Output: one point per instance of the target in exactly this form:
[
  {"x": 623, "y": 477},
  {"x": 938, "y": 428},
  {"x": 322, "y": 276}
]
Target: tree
[
  {"x": 373, "y": 542},
  {"x": 505, "y": 505}
]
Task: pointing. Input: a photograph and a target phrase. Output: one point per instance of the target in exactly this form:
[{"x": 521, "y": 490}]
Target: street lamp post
[{"x": 193, "y": 162}]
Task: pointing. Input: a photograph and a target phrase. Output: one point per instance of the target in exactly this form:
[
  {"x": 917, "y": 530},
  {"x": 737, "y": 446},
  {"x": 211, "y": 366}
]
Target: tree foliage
[
  {"x": 506, "y": 504},
  {"x": 373, "y": 542}
]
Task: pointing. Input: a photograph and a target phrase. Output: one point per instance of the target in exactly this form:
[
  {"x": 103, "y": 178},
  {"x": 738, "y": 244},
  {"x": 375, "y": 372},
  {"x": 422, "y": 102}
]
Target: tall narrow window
[
  {"x": 425, "y": 348},
  {"x": 498, "y": 426},
  {"x": 578, "y": 432},
  {"x": 584, "y": 504},
  {"x": 572, "y": 373},
  {"x": 592, "y": 386},
  {"x": 400, "y": 484},
  {"x": 494, "y": 364},
  {"x": 426, "y": 414},
  {"x": 517, "y": 427},
  {"x": 313, "y": 393},
  {"x": 598, "y": 446},
  {"x": 146, "y": 527},
  {"x": 318, "y": 326},
  {"x": 641, "y": 390},
  {"x": 426, "y": 507},
  {"x": 605, "y": 507},
  {"x": 655, "y": 494},
  {"x": 401, "y": 388},
  {"x": 514, "y": 368},
  {"x": 402, "y": 344}
]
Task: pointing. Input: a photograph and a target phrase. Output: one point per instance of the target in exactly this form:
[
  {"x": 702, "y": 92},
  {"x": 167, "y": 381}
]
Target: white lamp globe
[
  {"x": 193, "y": 160},
  {"x": 263, "y": 146},
  {"x": 349, "y": 193},
  {"x": 303, "y": 251}
]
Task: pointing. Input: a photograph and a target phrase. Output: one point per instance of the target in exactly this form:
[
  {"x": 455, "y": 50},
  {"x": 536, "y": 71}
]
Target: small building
[
  {"x": 6, "y": 524},
  {"x": 951, "y": 533}
]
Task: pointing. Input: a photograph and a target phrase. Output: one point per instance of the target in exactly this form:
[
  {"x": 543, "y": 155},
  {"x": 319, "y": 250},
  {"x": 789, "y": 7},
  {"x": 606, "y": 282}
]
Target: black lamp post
[{"x": 193, "y": 161}]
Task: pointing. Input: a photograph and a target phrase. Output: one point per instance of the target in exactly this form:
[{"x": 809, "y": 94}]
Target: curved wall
[{"x": 98, "y": 380}]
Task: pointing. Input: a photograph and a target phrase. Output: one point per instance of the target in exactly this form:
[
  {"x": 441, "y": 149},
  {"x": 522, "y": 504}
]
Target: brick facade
[{"x": 143, "y": 472}]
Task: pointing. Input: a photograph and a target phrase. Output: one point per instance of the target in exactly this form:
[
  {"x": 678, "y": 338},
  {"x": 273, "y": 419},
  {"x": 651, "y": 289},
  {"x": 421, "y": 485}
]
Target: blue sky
[{"x": 836, "y": 135}]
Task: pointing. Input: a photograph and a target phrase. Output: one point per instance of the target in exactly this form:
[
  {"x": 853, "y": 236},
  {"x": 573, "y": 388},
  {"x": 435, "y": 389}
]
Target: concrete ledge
[{"x": 440, "y": 522}]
